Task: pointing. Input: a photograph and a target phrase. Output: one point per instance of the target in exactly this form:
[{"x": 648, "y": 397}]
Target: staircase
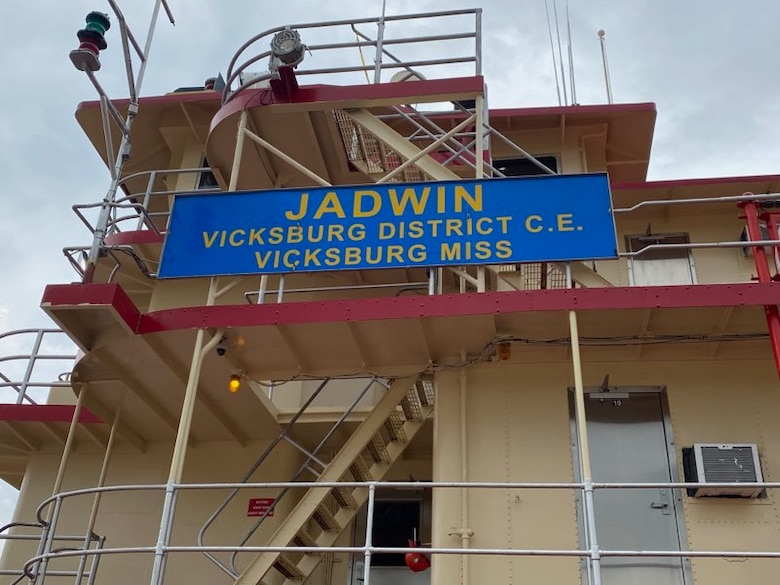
[
  {"x": 376, "y": 149},
  {"x": 322, "y": 514}
]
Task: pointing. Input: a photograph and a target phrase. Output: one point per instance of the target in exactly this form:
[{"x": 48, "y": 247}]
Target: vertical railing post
[
  {"x": 182, "y": 438},
  {"x": 147, "y": 198},
  {"x": 262, "y": 289},
  {"x": 584, "y": 451},
  {"x": 51, "y": 519},
  {"x": 48, "y": 541},
  {"x": 96, "y": 501},
  {"x": 369, "y": 531},
  {"x": 30, "y": 366},
  {"x": 380, "y": 36},
  {"x": 478, "y": 42}
]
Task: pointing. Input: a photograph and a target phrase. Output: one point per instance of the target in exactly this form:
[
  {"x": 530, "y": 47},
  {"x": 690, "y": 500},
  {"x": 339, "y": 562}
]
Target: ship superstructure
[{"x": 343, "y": 322}]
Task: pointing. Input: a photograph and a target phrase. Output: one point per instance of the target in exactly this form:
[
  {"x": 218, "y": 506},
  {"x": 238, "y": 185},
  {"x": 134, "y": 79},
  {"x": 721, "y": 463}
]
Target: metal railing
[
  {"x": 39, "y": 359},
  {"x": 87, "y": 540},
  {"x": 313, "y": 458},
  {"x": 37, "y": 567},
  {"x": 137, "y": 211},
  {"x": 143, "y": 210},
  {"x": 438, "y": 47}
]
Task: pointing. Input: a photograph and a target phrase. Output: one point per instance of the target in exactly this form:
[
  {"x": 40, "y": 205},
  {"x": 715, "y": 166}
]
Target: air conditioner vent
[{"x": 729, "y": 463}]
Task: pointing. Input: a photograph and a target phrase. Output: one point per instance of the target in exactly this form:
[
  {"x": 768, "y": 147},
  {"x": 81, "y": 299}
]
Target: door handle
[{"x": 663, "y": 504}]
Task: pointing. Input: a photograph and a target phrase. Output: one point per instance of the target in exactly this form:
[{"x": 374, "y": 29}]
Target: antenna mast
[
  {"x": 605, "y": 63},
  {"x": 552, "y": 50},
  {"x": 571, "y": 57},
  {"x": 86, "y": 58},
  {"x": 560, "y": 52}
]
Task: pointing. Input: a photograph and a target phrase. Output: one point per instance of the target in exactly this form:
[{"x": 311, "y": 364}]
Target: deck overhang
[{"x": 384, "y": 334}]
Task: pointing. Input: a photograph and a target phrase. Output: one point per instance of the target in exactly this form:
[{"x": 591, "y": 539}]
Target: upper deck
[{"x": 278, "y": 130}]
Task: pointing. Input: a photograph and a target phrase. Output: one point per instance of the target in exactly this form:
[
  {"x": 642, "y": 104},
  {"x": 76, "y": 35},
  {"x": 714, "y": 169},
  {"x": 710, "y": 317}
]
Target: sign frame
[{"x": 539, "y": 218}]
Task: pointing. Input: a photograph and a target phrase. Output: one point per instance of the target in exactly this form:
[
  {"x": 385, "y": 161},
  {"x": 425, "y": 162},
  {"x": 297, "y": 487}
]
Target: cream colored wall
[
  {"x": 131, "y": 519},
  {"x": 717, "y": 265},
  {"x": 518, "y": 430},
  {"x": 720, "y": 402},
  {"x": 567, "y": 146}
]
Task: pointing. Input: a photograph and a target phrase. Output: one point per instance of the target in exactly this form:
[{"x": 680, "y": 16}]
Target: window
[
  {"x": 206, "y": 179},
  {"x": 658, "y": 266},
  {"x": 521, "y": 167}
]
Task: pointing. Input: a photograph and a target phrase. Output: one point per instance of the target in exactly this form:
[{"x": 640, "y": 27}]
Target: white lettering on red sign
[{"x": 259, "y": 507}]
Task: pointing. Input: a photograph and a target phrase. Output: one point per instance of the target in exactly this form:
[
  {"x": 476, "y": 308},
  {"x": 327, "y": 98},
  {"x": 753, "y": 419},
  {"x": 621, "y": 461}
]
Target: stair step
[
  {"x": 394, "y": 425},
  {"x": 344, "y": 497},
  {"x": 377, "y": 449},
  {"x": 425, "y": 398},
  {"x": 411, "y": 406},
  {"x": 326, "y": 520},
  {"x": 303, "y": 538},
  {"x": 360, "y": 471},
  {"x": 288, "y": 568}
]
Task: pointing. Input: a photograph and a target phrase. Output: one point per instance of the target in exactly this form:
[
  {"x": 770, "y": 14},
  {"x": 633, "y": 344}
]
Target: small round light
[{"x": 234, "y": 384}]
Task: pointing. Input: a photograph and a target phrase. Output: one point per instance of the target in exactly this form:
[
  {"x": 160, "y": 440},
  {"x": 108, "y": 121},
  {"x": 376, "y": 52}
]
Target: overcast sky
[{"x": 711, "y": 68}]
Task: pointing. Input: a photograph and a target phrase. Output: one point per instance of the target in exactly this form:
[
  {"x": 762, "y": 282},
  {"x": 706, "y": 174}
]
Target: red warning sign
[{"x": 259, "y": 506}]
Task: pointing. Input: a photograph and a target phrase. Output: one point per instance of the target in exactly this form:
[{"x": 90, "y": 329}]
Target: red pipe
[{"x": 764, "y": 276}]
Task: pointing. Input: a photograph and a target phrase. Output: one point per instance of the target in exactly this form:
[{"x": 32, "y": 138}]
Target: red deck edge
[
  {"x": 332, "y": 93},
  {"x": 696, "y": 182},
  {"x": 578, "y": 110},
  {"x": 583, "y": 299},
  {"x": 81, "y": 295},
  {"x": 158, "y": 100},
  {"x": 44, "y": 413},
  {"x": 135, "y": 237}
]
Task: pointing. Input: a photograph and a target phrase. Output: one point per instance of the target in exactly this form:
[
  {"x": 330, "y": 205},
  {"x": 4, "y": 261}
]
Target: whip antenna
[{"x": 605, "y": 63}]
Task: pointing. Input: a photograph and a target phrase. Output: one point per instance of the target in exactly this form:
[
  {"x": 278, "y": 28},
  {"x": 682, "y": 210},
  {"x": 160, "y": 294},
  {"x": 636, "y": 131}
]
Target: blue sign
[{"x": 446, "y": 223}]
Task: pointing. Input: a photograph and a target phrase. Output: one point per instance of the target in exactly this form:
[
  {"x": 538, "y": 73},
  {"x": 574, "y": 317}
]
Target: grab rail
[
  {"x": 42, "y": 349},
  {"x": 368, "y": 549}
]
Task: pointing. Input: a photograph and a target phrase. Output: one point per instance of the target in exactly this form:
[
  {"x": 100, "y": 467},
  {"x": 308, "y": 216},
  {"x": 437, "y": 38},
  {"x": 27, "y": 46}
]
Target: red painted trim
[
  {"x": 716, "y": 295},
  {"x": 79, "y": 295},
  {"x": 159, "y": 100},
  {"x": 703, "y": 182},
  {"x": 251, "y": 98},
  {"x": 590, "y": 110},
  {"x": 394, "y": 91},
  {"x": 134, "y": 238},
  {"x": 581, "y": 299},
  {"x": 44, "y": 413}
]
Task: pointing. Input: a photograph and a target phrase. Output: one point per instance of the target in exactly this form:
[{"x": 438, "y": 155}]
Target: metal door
[{"x": 630, "y": 441}]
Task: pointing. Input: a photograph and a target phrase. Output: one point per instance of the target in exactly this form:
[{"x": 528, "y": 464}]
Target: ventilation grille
[{"x": 731, "y": 463}]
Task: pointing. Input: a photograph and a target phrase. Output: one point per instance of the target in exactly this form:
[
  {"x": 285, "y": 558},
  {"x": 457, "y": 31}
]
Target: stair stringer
[
  {"x": 262, "y": 563},
  {"x": 401, "y": 145},
  {"x": 309, "y": 562}
]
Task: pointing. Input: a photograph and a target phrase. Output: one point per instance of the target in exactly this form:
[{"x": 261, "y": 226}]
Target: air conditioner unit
[{"x": 731, "y": 463}]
